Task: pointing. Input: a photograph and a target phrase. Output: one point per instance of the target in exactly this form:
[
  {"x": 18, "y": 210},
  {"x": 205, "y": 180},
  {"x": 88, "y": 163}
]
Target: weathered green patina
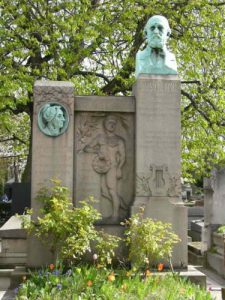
[
  {"x": 53, "y": 119},
  {"x": 156, "y": 58}
]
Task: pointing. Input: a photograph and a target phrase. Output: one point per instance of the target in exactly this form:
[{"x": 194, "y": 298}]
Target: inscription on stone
[{"x": 166, "y": 87}]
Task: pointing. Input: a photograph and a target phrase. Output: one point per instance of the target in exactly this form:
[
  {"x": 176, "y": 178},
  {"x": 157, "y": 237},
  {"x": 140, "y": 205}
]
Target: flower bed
[{"x": 101, "y": 283}]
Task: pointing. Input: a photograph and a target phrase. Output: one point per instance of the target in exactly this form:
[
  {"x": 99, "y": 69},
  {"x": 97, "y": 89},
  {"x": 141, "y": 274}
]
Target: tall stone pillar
[
  {"x": 52, "y": 148},
  {"x": 158, "y": 170}
]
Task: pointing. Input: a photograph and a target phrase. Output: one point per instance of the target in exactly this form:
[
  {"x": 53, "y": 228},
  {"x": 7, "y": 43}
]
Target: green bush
[
  {"x": 67, "y": 230},
  {"x": 148, "y": 241},
  {"x": 221, "y": 229}
]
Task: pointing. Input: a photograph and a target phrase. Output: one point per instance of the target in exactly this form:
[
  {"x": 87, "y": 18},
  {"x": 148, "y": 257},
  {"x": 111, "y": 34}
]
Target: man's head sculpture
[
  {"x": 156, "y": 58},
  {"x": 157, "y": 31}
]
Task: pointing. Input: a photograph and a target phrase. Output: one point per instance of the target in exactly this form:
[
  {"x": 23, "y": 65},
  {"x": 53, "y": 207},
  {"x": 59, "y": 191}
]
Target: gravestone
[
  {"x": 214, "y": 217},
  {"x": 124, "y": 151},
  {"x": 214, "y": 205},
  {"x": 20, "y": 197}
]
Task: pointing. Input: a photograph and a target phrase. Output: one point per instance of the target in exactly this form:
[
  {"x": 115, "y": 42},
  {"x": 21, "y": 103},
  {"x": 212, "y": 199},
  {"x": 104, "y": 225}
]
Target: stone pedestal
[
  {"x": 158, "y": 171},
  {"x": 52, "y": 156}
]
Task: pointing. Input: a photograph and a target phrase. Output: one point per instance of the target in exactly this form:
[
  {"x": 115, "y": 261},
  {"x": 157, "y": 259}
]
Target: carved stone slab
[
  {"x": 104, "y": 162},
  {"x": 158, "y": 182}
]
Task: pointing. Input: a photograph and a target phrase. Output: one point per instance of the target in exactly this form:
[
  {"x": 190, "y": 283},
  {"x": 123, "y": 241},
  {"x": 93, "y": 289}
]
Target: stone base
[
  {"x": 38, "y": 254},
  {"x": 121, "y": 253},
  {"x": 166, "y": 210},
  {"x": 13, "y": 243},
  {"x": 11, "y": 278}
]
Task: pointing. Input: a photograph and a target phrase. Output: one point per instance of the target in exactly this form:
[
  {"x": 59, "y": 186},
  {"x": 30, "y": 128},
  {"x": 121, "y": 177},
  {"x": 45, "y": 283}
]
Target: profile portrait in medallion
[{"x": 53, "y": 119}]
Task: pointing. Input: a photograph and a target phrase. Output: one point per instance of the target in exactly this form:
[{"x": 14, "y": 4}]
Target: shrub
[
  {"x": 67, "y": 230},
  {"x": 149, "y": 241}
]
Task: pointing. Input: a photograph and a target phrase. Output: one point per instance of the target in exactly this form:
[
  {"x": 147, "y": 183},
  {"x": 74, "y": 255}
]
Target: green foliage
[
  {"x": 93, "y": 283},
  {"x": 67, "y": 230},
  {"x": 93, "y": 44},
  {"x": 105, "y": 247},
  {"x": 221, "y": 229},
  {"x": 148, "y": 240}
]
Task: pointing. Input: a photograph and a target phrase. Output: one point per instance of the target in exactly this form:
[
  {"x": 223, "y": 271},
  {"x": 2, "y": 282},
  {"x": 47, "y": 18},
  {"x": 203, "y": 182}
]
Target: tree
[{"x": 93, "y": 44}]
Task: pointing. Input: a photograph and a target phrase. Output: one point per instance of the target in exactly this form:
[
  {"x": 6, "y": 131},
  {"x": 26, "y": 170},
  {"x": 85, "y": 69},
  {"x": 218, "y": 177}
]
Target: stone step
[
  {"x": 191, "y": 273},
  {"x": 13, "y": 243}
]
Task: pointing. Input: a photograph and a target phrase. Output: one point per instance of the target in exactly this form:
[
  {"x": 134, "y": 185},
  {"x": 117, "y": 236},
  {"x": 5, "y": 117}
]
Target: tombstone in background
[
  {"x": 21, "y": 197},
  {"x": 214, "y": 204},
  {"x": 214, "y": 216},
  {"x": 158, "y": 135}
]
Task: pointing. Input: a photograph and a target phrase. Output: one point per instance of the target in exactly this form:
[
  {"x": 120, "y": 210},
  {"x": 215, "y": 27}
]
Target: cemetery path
[
  {"x": 214, "y": 283},
  {"x": 7, "y": 295}
]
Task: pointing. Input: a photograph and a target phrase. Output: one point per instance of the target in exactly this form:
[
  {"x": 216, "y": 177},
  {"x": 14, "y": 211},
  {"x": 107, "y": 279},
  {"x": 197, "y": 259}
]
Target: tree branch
[
  {"x": 13, "y": 138},
  {"x": 116, "y": 84},
  {"x": 86, "y": 73},
  {"x": 202, "y": 113},
  {"x": 19, "y": 109},
  {"x": 190, "y": 82}
]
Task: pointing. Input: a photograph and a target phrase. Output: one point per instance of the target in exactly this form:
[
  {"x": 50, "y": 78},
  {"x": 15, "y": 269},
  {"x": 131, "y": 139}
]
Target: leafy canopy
[{"x": 93, "y": 44}]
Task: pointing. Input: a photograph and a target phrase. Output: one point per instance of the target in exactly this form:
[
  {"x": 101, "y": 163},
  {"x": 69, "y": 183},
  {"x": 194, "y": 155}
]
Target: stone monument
[
  {"x": 158, "y": 135},
  {"x": 124, "y": 151}
]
